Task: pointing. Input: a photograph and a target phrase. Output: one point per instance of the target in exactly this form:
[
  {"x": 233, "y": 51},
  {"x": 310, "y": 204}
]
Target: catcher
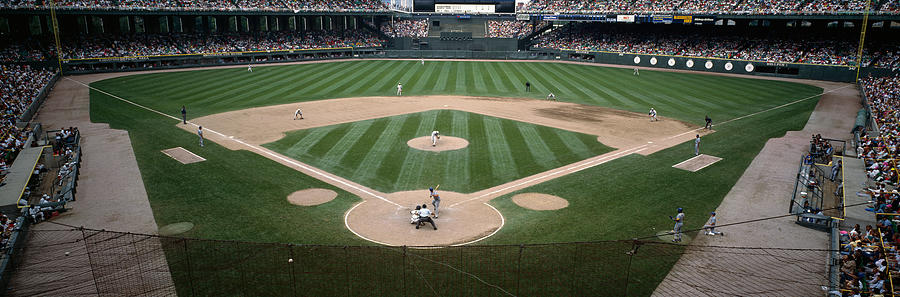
[
  {"x": 415, "y": 214},
  {"x": 435, "y": 135}
]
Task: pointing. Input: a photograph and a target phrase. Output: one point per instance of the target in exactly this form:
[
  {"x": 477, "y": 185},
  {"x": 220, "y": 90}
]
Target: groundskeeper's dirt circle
[
  {"x": 539, "y": 201},
  {"x": 446, "y": 143},
  {"x": 389, "y": 224},
  {"x": 311, "y": 197},
  {"x": 176, "y": 228}
]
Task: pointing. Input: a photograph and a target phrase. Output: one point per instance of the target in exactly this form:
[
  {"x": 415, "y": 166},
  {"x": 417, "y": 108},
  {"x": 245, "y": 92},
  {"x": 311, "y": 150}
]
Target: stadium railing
[{"x": 14, "y": 245}]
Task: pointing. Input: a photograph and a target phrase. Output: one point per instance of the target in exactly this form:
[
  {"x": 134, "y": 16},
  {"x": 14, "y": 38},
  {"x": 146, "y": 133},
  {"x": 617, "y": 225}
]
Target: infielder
[
  {"x": 708, "y": 122},
  {"x": 679, "y": 221},
  {"x": 697, "y": 145},
  {"x": 250, "y": 67},
  {"x": 200, "y": 133},
  {"x": 653, "y": 115},
  {"x": 551, "y": 97},
  {"x": 436, "y": 201},
  {"x": 298, "y": 113},
  {"x": 711, "y": 225},
  {"x": 435, "y": 135},
  {"x": 399, "y": 89}
]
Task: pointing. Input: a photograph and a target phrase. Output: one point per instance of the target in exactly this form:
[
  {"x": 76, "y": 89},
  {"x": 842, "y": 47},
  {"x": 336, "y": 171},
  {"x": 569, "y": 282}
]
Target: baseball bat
[{"x": 438, "y": 186}]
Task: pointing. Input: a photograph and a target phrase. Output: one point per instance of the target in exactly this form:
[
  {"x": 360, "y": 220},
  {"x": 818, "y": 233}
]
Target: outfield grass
[
  {"x": 240, "y": 195},
  {"x": 374, "y": 152}
]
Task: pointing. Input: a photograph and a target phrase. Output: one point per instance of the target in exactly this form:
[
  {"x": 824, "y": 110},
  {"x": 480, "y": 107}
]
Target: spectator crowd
[
  {"x": 406, "y": 28},
  {"x": 130, "y": 45},
  {"x": 509, "y": 29},
  {"x": 711, "y": 6},
  {"x": 782, "y": 50},
  {"x": 207, "y": 5}
]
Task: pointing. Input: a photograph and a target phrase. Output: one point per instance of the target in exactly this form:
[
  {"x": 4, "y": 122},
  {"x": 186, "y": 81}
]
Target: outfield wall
[{"x": 759, "y": 68}]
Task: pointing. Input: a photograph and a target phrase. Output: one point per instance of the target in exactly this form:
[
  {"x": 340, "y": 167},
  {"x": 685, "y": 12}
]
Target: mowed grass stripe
[
  {"x": 474, "y": 79},
  {"x": 340, "y": 148},
  {"x": 563, "y": 83},
  {"x": 425, "y": 84},
  {"x": 456, "y": 170},
  {"x": 500, "y": 70},
  {"x": 554, "y": 143},
  {"x": 518, "y": 77},
  {"x": 502, "y": 161},
  {"x": 381, "y": 148},
  {"x": 393, "y": 78},
  {"x": 581, "y": 82},
  {"x": 366, "y": 81},
  {"x": 540, "y": 151},
  {"x": 316, "y": 89},
  {"x": 232, "y": 87},
  {"x": 389, "y": 170},
  {"x": 574, "y": 144},
  {"x": 623, "y": 88},
  {"x": 450, "y": 87},
  {"x": 321, "y": 147},
  {"x": 309, "y": 139},
  {"x": 341, "y": 85},
  {"x": 414, "y": 164},
  {"x": 525, "y": 162},
  {"x": 491, "y": 75},
  {"x": 479, "y": 152},
  {"x": 441, "y": 84},
  {"x": 365, "y": 144}
]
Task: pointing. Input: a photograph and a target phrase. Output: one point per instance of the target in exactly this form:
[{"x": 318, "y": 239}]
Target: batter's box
[
  {"x": 696, "y": 163},
  {"x": 182, "y": 155}
]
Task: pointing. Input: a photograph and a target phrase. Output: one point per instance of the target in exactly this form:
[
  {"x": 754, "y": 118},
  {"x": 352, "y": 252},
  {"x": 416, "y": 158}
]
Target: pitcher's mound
[
  {"x": 310, "y": 197},
  {"x": 538, "y": 201},
  {"x": 446, "y": 143}
]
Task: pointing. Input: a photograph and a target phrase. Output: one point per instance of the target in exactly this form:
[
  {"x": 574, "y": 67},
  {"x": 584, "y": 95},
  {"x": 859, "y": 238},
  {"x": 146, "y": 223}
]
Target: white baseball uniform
[
  {"x": 434, "y": 137},
  {"x": 298, "y": 113}
]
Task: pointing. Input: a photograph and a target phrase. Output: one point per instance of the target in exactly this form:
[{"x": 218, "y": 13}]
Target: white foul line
[
  {"x": 685, "y": 161},
  {"x": 254, "y": 147}
]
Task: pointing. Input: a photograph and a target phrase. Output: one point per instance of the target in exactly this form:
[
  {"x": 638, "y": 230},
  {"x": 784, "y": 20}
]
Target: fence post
[
  {"x": 634, "y": 246},
  {"x": 187, "y": 258},
  {"x": 404, "y": 271},
  {"x": 293, "y": 277},
  {"x": 87, "y": 248},
  {"x": 519, "y": 268}
]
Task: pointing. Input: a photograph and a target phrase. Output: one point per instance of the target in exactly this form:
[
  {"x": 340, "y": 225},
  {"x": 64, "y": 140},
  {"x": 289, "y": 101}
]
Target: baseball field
[{"x": 595, "y": 149}]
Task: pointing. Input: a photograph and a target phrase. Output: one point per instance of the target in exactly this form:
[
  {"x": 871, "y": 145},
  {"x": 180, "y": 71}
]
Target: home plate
[
  {"x": 696, "y": 163},
  {"x": 182, "y": 155}
]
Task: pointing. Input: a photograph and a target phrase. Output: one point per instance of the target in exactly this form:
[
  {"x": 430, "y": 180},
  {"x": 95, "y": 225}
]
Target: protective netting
[{"x": 75, "y": 262}]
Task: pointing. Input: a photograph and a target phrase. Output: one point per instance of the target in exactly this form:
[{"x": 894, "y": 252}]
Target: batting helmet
[
  {"x": 680, "y": 210},
  {"x": 431, "y": 189}
]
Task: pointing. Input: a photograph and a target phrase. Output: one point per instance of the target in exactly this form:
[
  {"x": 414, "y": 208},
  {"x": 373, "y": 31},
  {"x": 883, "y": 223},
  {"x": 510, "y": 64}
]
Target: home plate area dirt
[
  {"x": 698, "y": 162},
  {"x": 182, "y": 155}
]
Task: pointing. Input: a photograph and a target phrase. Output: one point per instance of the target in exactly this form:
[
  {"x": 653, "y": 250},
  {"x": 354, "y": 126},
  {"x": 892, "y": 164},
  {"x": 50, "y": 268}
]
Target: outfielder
[
  {"x": 399, "y": 89},
  {"x": 250, "y": 67},
  {"x": 711, "y": 225},
  {"x": 435, "y": 135},
  {"x": 636, "y": 72},
  {"x": 436, "y": 201},
  {"x": 298, "y": 113},
  {"x": 679, "y": 221}
]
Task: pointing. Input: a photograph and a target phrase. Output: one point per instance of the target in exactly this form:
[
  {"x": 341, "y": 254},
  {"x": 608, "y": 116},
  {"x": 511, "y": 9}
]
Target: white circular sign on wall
[
  {"x": 689, "y": 63},
  {"x": 637, "y": 59},
  {"x": 729, "y": 66},
  {"x": 671, "y": 62},
  {"x": 653, "y": 61},
  {"x": 749, "y": 67},
  {"x": 708, "y": 65}
]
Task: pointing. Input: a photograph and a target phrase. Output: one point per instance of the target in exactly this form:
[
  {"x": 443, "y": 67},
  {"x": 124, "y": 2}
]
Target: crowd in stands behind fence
[
  {"x": 207, "y": 5},
  {"x": 509, "y": 29},
  {"x": 711, "y": 6},
  {"x": 864, "y": 266},
  {"x": 880, "y": 152},
  {"x": 405, "y": 28},
  {"x": 592, "y": 38}
]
